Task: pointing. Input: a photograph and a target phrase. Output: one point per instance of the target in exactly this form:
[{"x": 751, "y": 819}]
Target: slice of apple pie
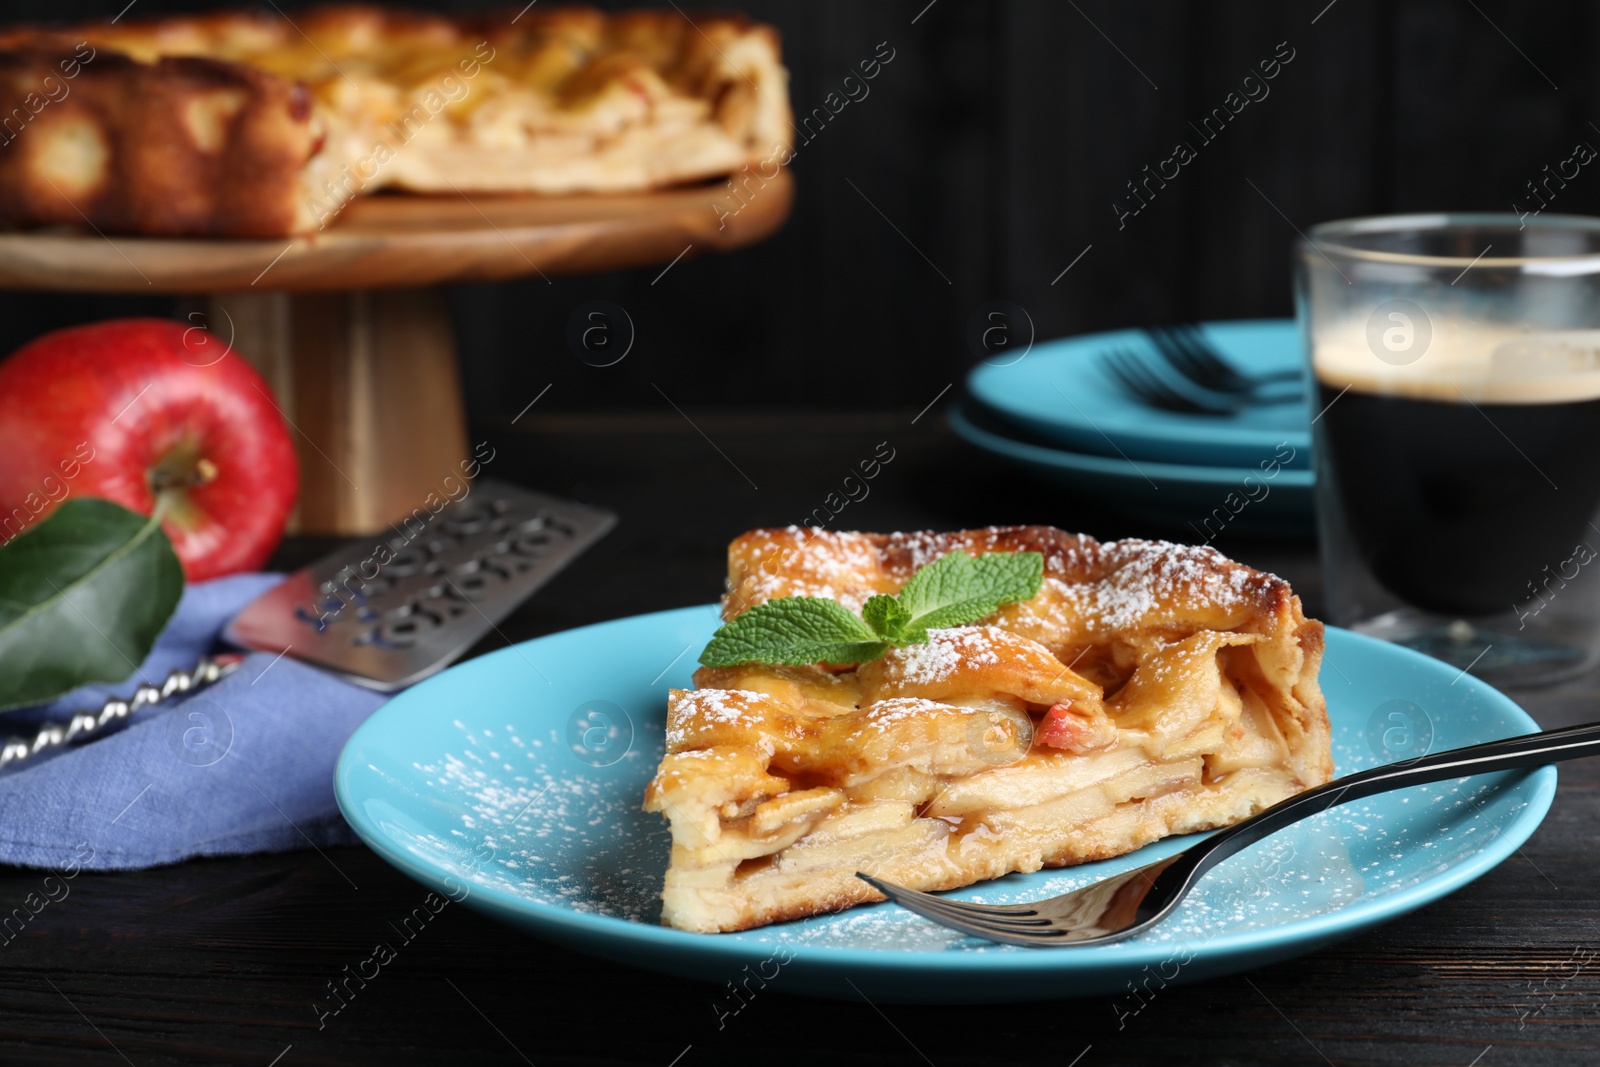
[{"x": 1127, "y": 691}]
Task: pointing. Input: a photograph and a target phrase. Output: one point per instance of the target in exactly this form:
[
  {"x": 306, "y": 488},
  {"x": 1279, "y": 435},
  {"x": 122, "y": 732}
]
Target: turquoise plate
[
  {"x": 513, "y": 782},
  {"x": 1203, "y": 500},
  {"x": 1059, "y": 393}
]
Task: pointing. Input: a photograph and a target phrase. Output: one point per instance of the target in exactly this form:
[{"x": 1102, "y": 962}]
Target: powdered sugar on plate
[{"x": 532, "y": 821}]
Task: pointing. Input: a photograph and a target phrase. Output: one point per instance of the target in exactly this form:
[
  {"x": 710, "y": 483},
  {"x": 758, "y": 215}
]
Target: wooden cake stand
[{"x": 351, "y": 329}]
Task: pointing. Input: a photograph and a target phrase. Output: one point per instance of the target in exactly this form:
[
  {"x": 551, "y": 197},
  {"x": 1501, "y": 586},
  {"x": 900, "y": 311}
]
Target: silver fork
[{"x": 1127, "y": 904}]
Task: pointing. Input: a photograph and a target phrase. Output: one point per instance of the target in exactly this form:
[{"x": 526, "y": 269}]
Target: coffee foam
[{"x": 1483, "y": 363}]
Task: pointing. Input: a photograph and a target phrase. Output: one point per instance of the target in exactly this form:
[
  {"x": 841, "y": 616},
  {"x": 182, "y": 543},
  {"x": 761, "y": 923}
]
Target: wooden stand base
[{"x": 367, "y": 381}]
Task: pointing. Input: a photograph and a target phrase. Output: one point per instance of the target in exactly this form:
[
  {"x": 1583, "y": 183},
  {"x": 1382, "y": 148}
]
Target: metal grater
[{"x": 390, "y": 610}]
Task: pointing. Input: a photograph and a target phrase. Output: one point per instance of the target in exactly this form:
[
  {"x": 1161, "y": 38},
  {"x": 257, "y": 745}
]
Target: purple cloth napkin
[{"x": 244, "y": 765}]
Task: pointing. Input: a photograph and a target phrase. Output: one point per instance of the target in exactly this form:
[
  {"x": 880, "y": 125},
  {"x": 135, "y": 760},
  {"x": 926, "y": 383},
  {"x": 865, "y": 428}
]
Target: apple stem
[{"x": 202, "y": 472}]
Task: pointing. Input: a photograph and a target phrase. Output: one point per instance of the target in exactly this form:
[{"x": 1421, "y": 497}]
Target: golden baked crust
[
  {"x": 119, "y": 150},
  {"x": 1148, "y": 689},
  {"x": 256, "y": 124}
]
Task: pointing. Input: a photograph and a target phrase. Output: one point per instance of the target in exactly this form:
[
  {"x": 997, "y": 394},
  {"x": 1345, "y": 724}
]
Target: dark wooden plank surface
[{"x": 220, "y": 961}]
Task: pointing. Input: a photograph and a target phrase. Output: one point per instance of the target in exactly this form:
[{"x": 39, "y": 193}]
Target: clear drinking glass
[{"x": 1455, "y": 361}]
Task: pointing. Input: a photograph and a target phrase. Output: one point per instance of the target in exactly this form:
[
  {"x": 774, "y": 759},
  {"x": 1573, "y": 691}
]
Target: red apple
[{"x": 146, "y": 412}]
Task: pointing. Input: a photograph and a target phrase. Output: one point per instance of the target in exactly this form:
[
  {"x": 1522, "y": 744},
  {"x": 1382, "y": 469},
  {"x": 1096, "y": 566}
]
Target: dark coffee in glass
[
  {"x": 1456, "y": 432},
  {"x": 1462, "y": 508}
]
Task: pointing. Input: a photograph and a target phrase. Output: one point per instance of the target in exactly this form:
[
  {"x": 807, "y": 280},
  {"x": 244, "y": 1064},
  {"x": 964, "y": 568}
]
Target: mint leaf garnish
[
  {"x": 951, "y": 591},
  {"x": 794, "y": 630},
  {"x": 959, "y": 589},
  {"x": 886, "y": 615}
]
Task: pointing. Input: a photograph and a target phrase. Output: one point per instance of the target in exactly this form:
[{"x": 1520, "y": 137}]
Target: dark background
[{"x": 996, "y": 142}]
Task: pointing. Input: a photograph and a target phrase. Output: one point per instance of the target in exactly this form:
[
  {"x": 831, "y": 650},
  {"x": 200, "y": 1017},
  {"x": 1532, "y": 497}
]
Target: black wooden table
[{"x": 219, "y": 961}]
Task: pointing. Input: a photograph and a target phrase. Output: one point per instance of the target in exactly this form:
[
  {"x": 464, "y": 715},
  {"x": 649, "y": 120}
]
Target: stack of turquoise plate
[{"x": 1058, "y": 412}]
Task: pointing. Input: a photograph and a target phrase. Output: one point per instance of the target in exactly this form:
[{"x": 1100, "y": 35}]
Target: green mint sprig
[{"x": 951, "y": 591}]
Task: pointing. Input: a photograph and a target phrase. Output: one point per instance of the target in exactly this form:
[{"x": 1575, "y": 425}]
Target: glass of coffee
[{"x": 1456, "y": 434}]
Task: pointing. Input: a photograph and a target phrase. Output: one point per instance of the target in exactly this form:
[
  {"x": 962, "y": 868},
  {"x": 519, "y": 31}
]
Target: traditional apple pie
[
  {"x": 1145, "y": 689},
  {"x": 264, "y": 123}
]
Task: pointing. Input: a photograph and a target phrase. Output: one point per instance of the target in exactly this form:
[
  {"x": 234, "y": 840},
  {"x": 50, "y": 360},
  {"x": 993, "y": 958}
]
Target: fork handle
[{"x": 1512, "y": 753}]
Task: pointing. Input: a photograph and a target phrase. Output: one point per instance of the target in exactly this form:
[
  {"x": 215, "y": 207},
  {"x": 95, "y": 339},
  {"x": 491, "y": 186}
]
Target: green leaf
[
  {"x": 958, "y": 589},
  {"x": 885, "y": 615},
  {"x": 951, "y": 591},
  {"x": 82, "y": 597},
  {"x": 794, "y": 630}
]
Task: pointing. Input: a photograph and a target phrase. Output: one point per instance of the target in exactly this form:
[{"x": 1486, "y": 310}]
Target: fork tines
[
  {"x": 1012, "y": 923},
  {"x": 1135, "y": 375}
]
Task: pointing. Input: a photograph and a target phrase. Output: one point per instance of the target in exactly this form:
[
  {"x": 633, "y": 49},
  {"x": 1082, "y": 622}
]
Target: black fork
[
  {"x": 1132, "y": 371},
  {"x": 1187, "y": 351}
]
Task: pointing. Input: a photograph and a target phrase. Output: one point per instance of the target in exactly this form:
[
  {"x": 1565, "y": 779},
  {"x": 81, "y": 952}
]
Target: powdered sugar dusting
[
  {"x": 925, "y": 547},
  {"x": 796, "y": 561},
  {"x": 1107, "y": 587},
  {"x": 1147, "y": 576},
  {"x": 945, "y": 652},
  {"x": 534, "y": 821},
  {"x": 702, "y": 706},
  {"x": 883, "y": 715}
]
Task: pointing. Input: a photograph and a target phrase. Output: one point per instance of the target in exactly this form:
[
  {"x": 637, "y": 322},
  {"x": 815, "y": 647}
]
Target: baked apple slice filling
[{"x": 985, "y": 749}]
